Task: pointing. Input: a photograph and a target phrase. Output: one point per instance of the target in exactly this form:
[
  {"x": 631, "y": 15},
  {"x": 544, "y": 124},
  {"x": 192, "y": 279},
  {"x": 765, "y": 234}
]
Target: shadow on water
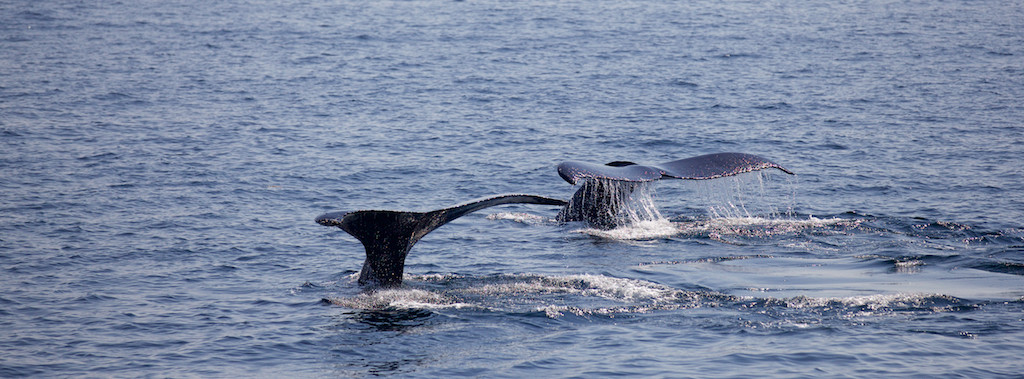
[
  {"x": 394, "y": 320},
  {"x": 365, "y": 342}
]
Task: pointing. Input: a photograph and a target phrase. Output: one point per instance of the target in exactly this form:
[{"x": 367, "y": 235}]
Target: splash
[
  {"x": 629, "y": 210},
  {"x": 639, "y": 231},
  {"x": 607, "y": 203},
  {"x": 869, "y": 305},
  {"x": 580, "y": 294},
  {"x": 762, "y": 227},
  {"x": 599, "y": 286},
  {"x": 751, "y": 204},
  {"x": 398, "y": 298},
  {"x": 586, "y": 295},
  {"x": 524, "y": 218},
  {"x": 749, "y": 195}
]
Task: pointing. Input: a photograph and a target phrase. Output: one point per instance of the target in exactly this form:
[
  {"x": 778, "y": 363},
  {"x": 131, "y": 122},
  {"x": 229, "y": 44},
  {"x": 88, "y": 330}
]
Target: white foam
[
  {"x": 588, "y": 294},
  {"x": 869, "y": 302},
  {"x": 750, "y": 221},
  {"x": 757, "y": 226},
  {"x": 624, "y": 290},
  {"x": 604, "y": 294},
  {"x": 632, "y": 290},
  {"x": 400, "y": 298},
  {"x": 525, "y": 218},
  {"x": 912, "y": 266},
  {"x": 715, "y": 227},
  {"x": 642, "y": 230}
]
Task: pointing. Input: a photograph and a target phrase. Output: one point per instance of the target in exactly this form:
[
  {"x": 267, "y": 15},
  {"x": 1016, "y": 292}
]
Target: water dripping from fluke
[
  {"x": 609, "y": 204},
  {"x": 626, "y": 210}
]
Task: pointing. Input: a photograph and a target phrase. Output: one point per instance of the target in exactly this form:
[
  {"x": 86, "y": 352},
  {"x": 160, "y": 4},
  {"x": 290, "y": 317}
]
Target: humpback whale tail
[
  {"x": 606, "y": 189},
  {"x": 710, "y": 166},
  {"x": 388, "y": 236}
]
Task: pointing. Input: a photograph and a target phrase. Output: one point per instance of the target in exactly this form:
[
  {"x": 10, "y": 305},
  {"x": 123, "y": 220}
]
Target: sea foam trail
[
  {"x": 715, "y": 227},
  {"x": 589, "y": 294},
  {"x": 578, "y": 294},
  {"x": 525, "y": 218},
  {"x": 643, "y": 230},
  {"x": 664, "y": 228}
]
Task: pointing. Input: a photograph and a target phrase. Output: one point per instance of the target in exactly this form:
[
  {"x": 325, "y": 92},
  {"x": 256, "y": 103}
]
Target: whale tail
[
  {"x": 710, "y": 166},
  {"x": 605, "y": 190},
  {"x": 388, "y": 236}
]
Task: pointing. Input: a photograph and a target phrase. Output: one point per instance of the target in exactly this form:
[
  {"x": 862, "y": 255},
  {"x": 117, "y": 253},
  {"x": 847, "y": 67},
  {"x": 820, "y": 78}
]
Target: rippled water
[{"x": 161, "y": 164}]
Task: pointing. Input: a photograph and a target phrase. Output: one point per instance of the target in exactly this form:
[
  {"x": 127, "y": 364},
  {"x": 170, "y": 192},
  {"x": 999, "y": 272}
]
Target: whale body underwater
[{"x": 387, "y": 236}]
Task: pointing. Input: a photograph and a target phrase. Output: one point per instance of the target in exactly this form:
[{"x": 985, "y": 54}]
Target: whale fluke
[
  {"x": 709, "y": 166},
  {"x": 388, "y": 236},
  {"x": 606, "y": 189}
]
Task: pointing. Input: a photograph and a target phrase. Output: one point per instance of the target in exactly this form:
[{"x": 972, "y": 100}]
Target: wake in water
[
  {"x": 552, "y": 295},
  {"x": 599, "y": 295},
  {"x": 787, "y": 290},
  {"x": 727, "y": 228}
]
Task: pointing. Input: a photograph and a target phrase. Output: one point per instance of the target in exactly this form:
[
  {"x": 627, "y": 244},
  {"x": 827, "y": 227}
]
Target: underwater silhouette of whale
[{"x": 387, "y": 236}]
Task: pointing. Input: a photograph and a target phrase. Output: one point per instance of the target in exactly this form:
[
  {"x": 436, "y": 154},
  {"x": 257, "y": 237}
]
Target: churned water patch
[
  {"x": 398, "y": 298},
  {"x": 642, "y": 230},
  {"x": 719, "y": 228},
  {"x": 587, "y": 295},
  {"x": 554, "y": 295},
  {"x": 520, "y": 217},
  {"x": 870, "y": 304},
  {"x": 724, "y": 228}
]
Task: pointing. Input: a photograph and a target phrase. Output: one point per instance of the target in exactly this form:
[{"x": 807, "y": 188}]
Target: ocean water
[{"x": 161, "y": 164}]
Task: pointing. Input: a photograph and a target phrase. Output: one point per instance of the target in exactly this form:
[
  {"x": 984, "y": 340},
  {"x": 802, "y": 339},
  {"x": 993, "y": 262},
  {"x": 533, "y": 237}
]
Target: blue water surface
[{"x": 161, "y": 163}]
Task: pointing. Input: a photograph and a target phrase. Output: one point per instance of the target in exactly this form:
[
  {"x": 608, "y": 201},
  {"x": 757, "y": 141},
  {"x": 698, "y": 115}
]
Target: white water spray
[
  {"x": 747, "y": 196},
  {"x": 744, "y": 204},
  {"x": 609, "y": 204}
]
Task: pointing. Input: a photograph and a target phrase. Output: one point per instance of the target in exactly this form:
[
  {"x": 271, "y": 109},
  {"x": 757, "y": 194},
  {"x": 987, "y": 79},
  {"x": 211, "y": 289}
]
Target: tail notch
[{"x": 388, "y": 236}]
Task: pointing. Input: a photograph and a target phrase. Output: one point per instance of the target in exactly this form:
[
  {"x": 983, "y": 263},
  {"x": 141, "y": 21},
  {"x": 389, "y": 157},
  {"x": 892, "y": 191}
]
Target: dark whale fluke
[
  {"x": 606, "y": 188},
  {"x": 388, "y": 236}
]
